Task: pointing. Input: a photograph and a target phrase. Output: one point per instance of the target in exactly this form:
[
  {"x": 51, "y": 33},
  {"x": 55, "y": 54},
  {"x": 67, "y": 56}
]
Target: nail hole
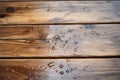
[
  {"x": 10, "y": 9},
  {"x": 2, "y": 15}
]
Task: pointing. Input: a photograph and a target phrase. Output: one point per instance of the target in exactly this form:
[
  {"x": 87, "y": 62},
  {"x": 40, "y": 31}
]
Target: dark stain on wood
[
  {"x": 3, "y": 15},
  {"x": 116, "y": 40},
  {"x": 89, "y": 26},
  {"x": 9, "y": 10}
]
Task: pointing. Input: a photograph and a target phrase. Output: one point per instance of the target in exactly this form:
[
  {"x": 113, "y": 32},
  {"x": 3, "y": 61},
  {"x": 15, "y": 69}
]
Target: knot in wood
[{"x": 10, "y": 9}]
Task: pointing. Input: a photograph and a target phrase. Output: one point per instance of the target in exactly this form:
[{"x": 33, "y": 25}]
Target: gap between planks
[
  {"x": 79, "y": 23},
  {"x": 50, "y": 0},
  {"x": 63, "y": 57}
]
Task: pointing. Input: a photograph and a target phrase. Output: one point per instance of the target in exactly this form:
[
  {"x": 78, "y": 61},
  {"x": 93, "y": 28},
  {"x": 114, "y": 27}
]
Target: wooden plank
[
  {"x": 51, "y": 12},
  {"x": 60, "y": 40},
  {"x": 60, "y": 69},
  {"x": 23, "y": 32}
]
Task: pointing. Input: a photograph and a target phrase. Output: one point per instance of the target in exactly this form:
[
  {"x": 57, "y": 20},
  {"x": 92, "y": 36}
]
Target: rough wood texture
[
  {"x": 60, "y": 40},
  {"x": 47, "y": 12},
  {"x": 72, "y": 69}
]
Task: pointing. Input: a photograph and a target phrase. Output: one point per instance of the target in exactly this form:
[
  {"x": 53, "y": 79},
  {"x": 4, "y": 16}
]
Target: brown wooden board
[
  {"x": 52, "y": 12},
  {"x": 24, "y": 32},
  {"x": 60, "y": 40},
  {"x": 60, "y": 69}
]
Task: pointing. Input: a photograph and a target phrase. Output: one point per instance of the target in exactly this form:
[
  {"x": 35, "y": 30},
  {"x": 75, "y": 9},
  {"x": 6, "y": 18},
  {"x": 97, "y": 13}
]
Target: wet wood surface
[
  {"x": 51, "y": 12},
  {"x": 44, "y": 40},
  {"x": 27, "y": 32},
  {"x": 60, "y": 69},
  {"x": 60, "y": 40}
]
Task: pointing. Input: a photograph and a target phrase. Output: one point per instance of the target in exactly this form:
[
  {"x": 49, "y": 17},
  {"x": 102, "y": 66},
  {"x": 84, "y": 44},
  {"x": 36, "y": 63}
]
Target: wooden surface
[
  {"x": 72, "y": 69},
  {"x": 60, "y": 40},
  {"x": 24, "y": 32},
  {"x": 51, "y": 12}
]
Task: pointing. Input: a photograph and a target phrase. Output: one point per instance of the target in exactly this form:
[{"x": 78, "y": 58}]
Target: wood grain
[
  {"x": 60, "y": 69},
  {"x": 60, "y": 40},
  {"x": 23, "y": 32},
  {"x": 52, "y": 12}
]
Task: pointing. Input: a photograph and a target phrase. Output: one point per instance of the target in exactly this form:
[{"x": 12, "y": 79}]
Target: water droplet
[
  {"x": 70, "y": 30},
  {"x": 61, "y": 66},
  {"x": 66, "y": 41},
  {"x": 48, "y": 9},
  {"x": 61, "y": 72},
  {"x": 53, "y": 48},
  {"x": 71, "y": 70},
  {"x": 76, "y": 42},
  {"x": 51, "y": 64},
  {"x": 74, "y": 78},
  {"x": 67, "y": 71},
  {"x": 89, "y": 26},
  {"x": 56, "y": 70}
]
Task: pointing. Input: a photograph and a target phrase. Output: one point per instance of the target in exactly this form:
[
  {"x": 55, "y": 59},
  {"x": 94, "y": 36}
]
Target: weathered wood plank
[
  {"x": 60, "y": 69},
  {"x": 60, "y": 40},
  {"x": 47, "y": 12}
]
